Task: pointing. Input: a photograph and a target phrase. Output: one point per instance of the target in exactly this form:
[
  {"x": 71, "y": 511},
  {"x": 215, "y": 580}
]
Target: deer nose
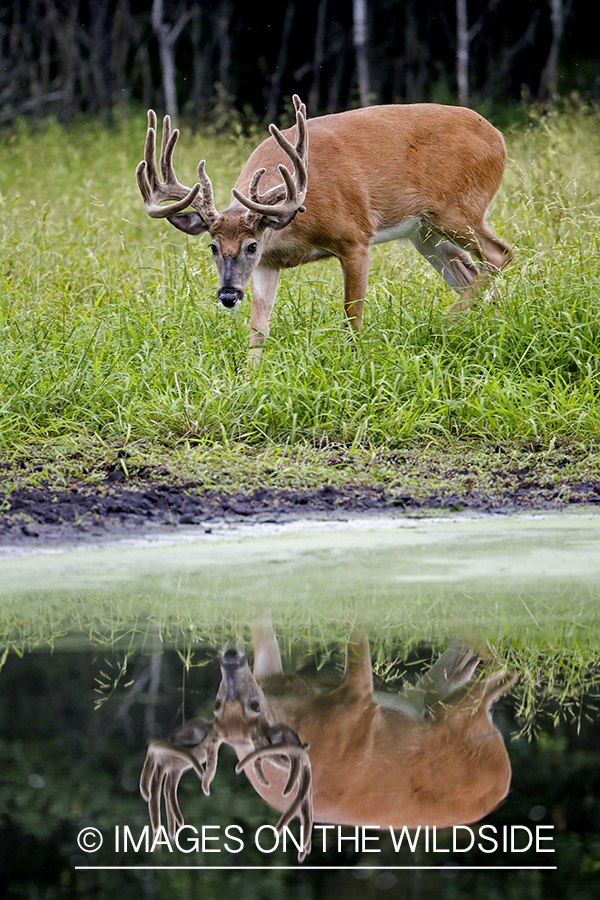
[
  {"x": 232, "y": 658},
  {"x": 230, "y": 297}
]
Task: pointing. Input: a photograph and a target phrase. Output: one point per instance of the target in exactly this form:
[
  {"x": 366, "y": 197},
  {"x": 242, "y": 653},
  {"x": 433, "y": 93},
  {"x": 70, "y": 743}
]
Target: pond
[{"x": 444, "y": 674}]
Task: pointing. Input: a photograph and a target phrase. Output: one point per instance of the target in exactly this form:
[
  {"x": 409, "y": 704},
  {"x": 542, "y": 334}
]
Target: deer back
[
  {"x": 378, "y": 765},
  {"x": 370, "y": 169}
]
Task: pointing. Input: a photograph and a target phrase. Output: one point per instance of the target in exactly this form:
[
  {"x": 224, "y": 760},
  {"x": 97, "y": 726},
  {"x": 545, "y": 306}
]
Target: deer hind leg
[
  {"x": 453, "y": 263},
  {"x": 264, "y": 291},
  {"x": 496, "y": 685},
  {"x": 494, "y": 254},
  {"x": 489, "y": 247},
  {"x": 355, "y": 268},
  {"x": 476, "y": 697},
  {"x": 453, "y": 260},
  {"x": 453, "y": 669}
]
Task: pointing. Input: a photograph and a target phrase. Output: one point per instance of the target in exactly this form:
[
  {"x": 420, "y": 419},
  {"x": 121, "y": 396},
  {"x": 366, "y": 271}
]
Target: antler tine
[
  {"x": 303, "y": 808},
  {"x": 295, "y": 768},
  {"x": 253, "y": 192},
  {"x": 295, "y": 153},
  {"x": 258, "y": 771},
  {"x": 293, "y": 761},
  {"x": 150, "y": 789},
  {"x": 212, "y": 751},
  {"x": 206, "y": 204},
  {"x": 150, "y": 150},
  {"x": 299, "y": 106},
  {"x": 300, "y": 773},
  {"x": 167, "y": 147},
  {"x": 287, "y": 198},
  {"x": 152, "y": 196},
  {"x": 174, "y": 815}
]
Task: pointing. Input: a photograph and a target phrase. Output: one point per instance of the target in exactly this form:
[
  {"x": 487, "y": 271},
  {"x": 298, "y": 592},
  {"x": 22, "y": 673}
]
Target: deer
[
  {"x": 430, "y": 756},
  {"x": 423, "y": 171}
]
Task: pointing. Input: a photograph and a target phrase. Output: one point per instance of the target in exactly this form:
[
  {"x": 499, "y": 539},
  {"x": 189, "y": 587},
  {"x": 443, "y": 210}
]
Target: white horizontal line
[{"x": 301, "y": 868}]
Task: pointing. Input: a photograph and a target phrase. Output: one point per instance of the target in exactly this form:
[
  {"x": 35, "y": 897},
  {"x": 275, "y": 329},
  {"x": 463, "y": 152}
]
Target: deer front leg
[
  {"x": 267, "y": 659},
  {"x": 264, "y": 290},
  {"x": 355, "y": 268},
  {"x": 358, "y": 674}
]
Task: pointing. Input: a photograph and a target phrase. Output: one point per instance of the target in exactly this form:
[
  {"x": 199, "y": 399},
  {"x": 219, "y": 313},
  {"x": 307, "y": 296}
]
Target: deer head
[
  {"x": 240, "y": 720},
  {"x": 238, "y": 233}
]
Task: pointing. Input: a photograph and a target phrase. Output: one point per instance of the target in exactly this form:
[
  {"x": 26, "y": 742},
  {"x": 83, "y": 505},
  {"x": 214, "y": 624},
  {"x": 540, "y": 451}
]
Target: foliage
[{"x": 230, "y": 59}]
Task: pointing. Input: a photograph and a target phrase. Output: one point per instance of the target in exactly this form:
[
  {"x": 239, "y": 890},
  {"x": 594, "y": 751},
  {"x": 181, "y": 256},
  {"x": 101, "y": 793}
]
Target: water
[{"x": 114, "y": 646}]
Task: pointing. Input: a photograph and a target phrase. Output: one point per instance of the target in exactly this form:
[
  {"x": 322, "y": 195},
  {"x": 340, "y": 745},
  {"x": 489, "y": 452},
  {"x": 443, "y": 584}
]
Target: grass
[
  {"x": 111, "y": 335},
  {"x": 554, "y": 647}
]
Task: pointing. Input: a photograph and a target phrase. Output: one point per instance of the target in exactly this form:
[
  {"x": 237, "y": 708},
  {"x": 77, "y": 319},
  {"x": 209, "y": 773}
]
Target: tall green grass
[
  {"x": 110, "y": 328},
  {"x": 554, "y": 647}
]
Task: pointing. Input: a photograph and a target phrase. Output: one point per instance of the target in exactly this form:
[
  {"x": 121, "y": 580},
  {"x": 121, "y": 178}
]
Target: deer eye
[
  {"x": 255, "y": 706},
  {"x": 252, "y": 247},
  {"x": 214, "y": 249},
  {"x": 217, "y": 706}
]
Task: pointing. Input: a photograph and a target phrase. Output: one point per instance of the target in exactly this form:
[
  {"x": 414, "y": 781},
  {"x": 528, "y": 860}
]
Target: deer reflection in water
[{"x": 428, "y": 756}]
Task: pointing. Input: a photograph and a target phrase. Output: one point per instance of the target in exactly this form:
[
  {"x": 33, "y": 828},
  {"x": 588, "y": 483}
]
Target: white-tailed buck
[
  {"x": 432, "y": 757},
  {"x": 424, "y": 171}
]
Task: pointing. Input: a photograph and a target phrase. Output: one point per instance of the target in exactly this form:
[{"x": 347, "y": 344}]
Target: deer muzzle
[
  {"x": 233, "y": 661},
  {"x": 232, "y": 658},
  {"x": 230, "y": 297}
]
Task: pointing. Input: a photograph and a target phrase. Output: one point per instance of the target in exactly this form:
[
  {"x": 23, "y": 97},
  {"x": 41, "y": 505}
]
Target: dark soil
[{"x": 43, "y": 515}]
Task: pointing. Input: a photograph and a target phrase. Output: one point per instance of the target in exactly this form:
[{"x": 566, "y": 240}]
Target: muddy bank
[{"x": 43, "y": 515}]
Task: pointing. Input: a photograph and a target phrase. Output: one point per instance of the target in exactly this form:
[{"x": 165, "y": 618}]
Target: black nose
[
  {"x": 230, "y": 297},
  {"x": 232, "y": 658}
]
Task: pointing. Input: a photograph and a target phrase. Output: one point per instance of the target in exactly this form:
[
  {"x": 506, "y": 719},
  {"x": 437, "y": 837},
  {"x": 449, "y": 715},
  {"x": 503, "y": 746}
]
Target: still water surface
[{"x": 110, "y": 649}]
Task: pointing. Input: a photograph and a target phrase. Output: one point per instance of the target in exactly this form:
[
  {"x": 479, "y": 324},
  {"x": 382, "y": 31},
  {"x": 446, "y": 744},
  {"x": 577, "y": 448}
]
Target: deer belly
[{"x": 401, "y": 230}]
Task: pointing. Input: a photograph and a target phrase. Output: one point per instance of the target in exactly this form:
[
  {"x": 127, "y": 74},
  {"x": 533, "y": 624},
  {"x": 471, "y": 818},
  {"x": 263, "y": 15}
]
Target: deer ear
[
  {"x": 276, "y": 223},
  {"x": 193, "y": 732},
  {"x": 190, "y": 222},
  {"x": 282, "y": 734}
]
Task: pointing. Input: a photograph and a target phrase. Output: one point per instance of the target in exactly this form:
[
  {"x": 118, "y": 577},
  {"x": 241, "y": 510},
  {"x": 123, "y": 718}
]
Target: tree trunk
[
  {"x": 314, "y": 95},
  {"x": 167, "y": 60},
  {"x": 359, "y": 14},
  {"x": 223, "y": 35},
  {"x": 275, "y": 91},
  {"x": 500, "y": 67},
  {"x": 412, "y": 76},
  {"x": 100, "y": 59},
  {"x": 462, "y": 52},
  {"x": 167, "y": 36},
  {"x": 337, "y": 47},
  {"x": 549, "y": 79},
  {"x": 196, "y": 101}
]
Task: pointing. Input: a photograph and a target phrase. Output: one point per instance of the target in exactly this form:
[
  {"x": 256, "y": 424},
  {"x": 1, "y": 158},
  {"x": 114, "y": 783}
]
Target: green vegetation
[
  {"x": 551, "y": 641},
  {"x": 112, "y": 337}
]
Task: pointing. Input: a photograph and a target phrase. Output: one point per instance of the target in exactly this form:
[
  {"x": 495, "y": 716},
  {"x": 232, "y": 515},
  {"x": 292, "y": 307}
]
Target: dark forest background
[{"x": 204, "y": 60}]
